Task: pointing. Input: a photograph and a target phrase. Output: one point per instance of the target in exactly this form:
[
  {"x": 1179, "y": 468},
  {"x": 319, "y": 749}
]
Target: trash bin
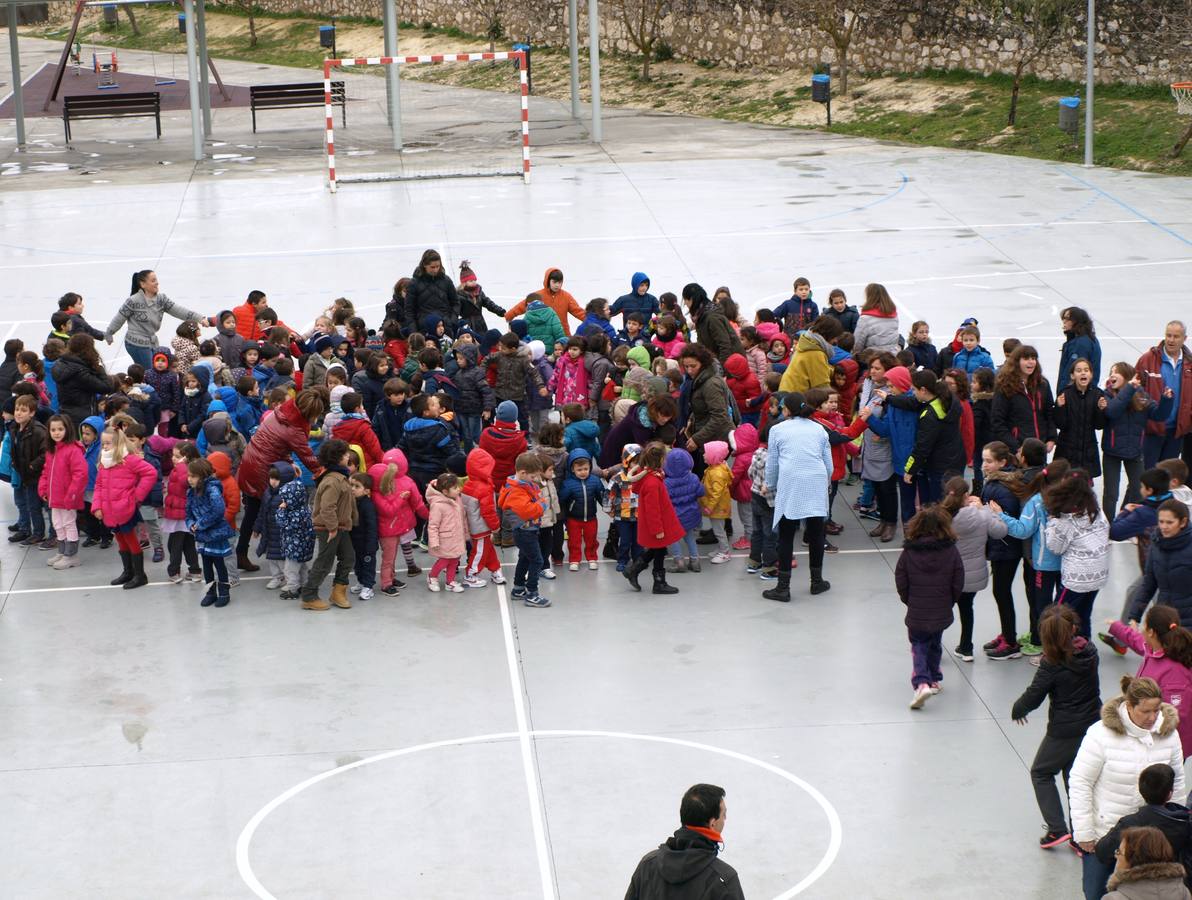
[
  {"x": 1069, "y": 114},
  {"x": 821, "y": 88},
  {"x": 109, "y": 14},
  {"x": 182, "y": 23},
  {"x": 327, "y": 36}
]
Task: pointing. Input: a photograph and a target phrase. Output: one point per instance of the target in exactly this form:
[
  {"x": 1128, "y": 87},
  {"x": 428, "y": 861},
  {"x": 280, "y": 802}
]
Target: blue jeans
[
  {"x": 1094, "y": 876},
  {"x": 142, "y": 356},
  {"x": 469, "y": 430},
  {"x": 18, "y": 497},
  {"x": 926, "y": 652},
  {"x": 32, "y": 512},
  {"x": 867, "y": 493},
  {"x": 688, "y": 540},
  {"x": 1082, "y": 603},
  {"x": 627, "y": 548},
  {"x": 529, "y": 560},
  {"x": 763, "y": 545},
  {"x": 1156, "y": 447}
]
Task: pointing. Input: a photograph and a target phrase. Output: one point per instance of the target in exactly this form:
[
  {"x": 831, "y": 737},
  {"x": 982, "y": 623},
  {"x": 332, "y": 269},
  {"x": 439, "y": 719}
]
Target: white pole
[
  {"x": 192, "y": 80},
  {"x": 393, "y": 72},
  {"x": 594, "y": 64},
  {"x": 1090, "y": 50},
  {"x": 573, "y": 49},
  {"x": 204, "y": 77},
  {"x": 18, "y": 97}
]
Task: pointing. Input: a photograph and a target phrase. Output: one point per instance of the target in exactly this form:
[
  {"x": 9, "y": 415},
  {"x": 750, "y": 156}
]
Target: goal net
[{"x": 426, "y": 129}]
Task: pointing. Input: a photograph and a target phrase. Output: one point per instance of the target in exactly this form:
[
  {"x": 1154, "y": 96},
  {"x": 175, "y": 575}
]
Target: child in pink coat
[
  {"x": 569, "y": 382},
  {"x": 1166, "y": 650},
  {"x": 122, "y": 484},
  {"x": 446, "y": 534},
  {"x": 62, "y": 483},
  {"x": 399, "y": 506}
]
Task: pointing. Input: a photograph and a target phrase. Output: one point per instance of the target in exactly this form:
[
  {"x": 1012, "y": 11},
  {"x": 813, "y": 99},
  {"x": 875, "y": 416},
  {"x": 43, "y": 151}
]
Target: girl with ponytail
[{"x": 1166, "y": 650}]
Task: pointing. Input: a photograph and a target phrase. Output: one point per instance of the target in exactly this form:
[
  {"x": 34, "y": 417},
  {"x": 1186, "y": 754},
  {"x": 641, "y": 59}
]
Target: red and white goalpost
[{"x": 332, "y": 66}]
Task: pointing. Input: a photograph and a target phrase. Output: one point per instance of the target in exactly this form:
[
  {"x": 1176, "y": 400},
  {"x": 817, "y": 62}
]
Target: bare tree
[
  {"x": 250, "y": 8},
  {"x": 1038, "y": 25},
  {"x": 839, "y": 22},
  {"x": 642, "y": 20},
  {"x": 489, "y": 12}
]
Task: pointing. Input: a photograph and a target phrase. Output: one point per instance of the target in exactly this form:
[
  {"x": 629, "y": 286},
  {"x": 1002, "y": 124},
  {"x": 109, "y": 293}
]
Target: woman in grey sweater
[{"x": 143, "y": 312}]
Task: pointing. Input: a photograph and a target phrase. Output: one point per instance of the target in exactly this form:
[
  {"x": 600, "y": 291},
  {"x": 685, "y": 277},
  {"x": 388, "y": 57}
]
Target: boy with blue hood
[
  {"x": 476, "y": 401},
  {"x": 581, "y": 496},
  {"x": 580, "y": 432},
  {"x": 638, "y": 300},
  {"x": 97, "y": 532}
]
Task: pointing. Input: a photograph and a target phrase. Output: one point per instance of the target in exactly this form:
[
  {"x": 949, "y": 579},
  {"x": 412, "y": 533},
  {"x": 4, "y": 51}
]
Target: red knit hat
[{"x": 466, "y": 275}]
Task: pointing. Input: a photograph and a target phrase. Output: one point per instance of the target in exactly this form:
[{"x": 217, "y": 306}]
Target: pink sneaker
[{"x": 742, "y": 543}]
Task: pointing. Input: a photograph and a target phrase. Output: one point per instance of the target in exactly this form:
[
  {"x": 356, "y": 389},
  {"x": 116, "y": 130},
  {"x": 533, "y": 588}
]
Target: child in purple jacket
[{"x": 685, "y": 489}]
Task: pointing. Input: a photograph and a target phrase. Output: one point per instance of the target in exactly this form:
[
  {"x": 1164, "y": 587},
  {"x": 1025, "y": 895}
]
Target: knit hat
[
  {"x": 537, "y": 350},
  {"x": 518, "y": 327},
  {"x": 715, "y": 452},
  {"x": 457, "y": 464},
  {"x": 466, "y": 274},
  {"x": 900, "y": 378},
  {"x": 488, "y": 340},
  {"x": 326, "y": 342},
  {"x": 161, "y": 354},
  {"x": 506, "y": 411}
]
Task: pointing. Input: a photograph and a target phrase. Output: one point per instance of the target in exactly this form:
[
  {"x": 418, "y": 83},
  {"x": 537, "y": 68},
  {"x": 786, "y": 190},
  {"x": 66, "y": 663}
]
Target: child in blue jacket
[
  {"x": 971, "y": 356},
  {"x": 205, "y": 518},
  {"x": 581, "y": 496},
  {"x": 1126, "y": 417}
]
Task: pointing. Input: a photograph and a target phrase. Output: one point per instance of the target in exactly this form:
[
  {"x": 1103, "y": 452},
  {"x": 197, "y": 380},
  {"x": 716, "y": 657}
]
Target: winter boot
[
  {"x": 211, "y": 596},
  {"x": 611, "y": 543},
  {"x": 223, "y": 593},
  {"x": 888, "y": 532},
  {"x": 635, "y": 568},
  {"x": 339, "y": 596},
  {"x": 70, "y": 557},
  {"x": 818, "y": 585},
  {"x": 57, "y": 556},
  {"x": 879, "y": 530},
  {"x": 126, "y": 575},
  {"x": 139, "y": 578},
  {"x": 244, "y": 564},
  {"x": 660, "y": 585},
  {"x": 782, "y": 590},
  {"x": 318, "y": 604}
]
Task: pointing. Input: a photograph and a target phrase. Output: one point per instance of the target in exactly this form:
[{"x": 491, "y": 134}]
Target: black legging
[
  {"x": 656, "y": 556},
  {"x": 965, "y": 607},
  {"x": 886, "y": 493},
  {"x": 252, "y": 508},
  {"x": 787, "y": 529},
  {"x": 1003, "y": 595}
]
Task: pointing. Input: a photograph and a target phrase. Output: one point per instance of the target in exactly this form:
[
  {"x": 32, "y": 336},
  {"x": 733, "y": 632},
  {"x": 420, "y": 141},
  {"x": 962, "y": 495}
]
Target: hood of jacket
[
  {"x": 397, "y": 458},
  {"x": 221, "y": 463},
  {"x": 217, "y": 406},
  {"x": 577, "y": 454},
  {"x": 219, "y": 326},
  {"x": 470, "y": 353},
  {"x": 678, "y": 463},
  {"x": 1176, "y": 543},
  {"x": 230, "y": 399},
  {"x": 1163, "y": 871},
  {"x": 736, "y": 366},
  {"x": 685, "y": 856},
  {"x": 586, "y": 428},
  {"x": 546, "y": 277},
  {"x": 715, "y": 452},
  {"x": 97, "y": 423},
  {"x": 203, "y": 372},
  {"x": 284, "y": 467},
  {"x": 746, "y": 439},
  {"x": 783, "y": 337},
  {"x": 638, "y": 279},
  {"x": 435, "y": 497},
  {"x": 900, "y": 377},
  {"x": 928, "y": 545},
  {"x": 1112, "y": 713},
  {"x": 480, "y": 464},
  {"x": 810, "y": 341},
  {"x": 430, "y": 323},
  {"x": 641, "y": 356}
]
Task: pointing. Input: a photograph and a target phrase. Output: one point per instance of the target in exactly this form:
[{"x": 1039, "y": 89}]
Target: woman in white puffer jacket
[{"x": 1137, "y": 729}]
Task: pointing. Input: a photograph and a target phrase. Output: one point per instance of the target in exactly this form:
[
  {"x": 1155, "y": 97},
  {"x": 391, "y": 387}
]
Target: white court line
[
  {"x": 1029, "y": 324},
  {"x": 12, "y": 330},
  {"x": 835, "y": 837},
  {"x": 1029, "y": 294},
  {"x": 108, "y": 587},
  {"x": 979, "y": 287},
  {"x": 533, "y": 790}
]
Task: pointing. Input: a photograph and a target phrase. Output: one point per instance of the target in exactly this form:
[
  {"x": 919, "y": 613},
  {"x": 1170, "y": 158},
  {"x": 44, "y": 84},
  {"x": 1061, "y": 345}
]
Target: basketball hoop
[{"x": 1182, "y": 91}]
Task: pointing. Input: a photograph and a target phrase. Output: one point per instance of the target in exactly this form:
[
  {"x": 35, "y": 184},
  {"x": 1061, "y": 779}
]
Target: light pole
[{"x": 1089, "y": 50}]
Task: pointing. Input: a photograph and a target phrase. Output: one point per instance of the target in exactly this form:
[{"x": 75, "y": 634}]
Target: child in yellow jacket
[{"x": 717, "y": 500}]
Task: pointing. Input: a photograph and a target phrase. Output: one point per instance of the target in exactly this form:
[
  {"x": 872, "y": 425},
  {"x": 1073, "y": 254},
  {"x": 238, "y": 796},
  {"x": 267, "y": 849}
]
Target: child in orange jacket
[{"x": 522, "y": 506}]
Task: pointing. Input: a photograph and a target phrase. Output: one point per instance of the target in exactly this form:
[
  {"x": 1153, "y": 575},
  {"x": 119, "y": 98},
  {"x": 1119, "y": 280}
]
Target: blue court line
[{"x": 1130, "y": 209}]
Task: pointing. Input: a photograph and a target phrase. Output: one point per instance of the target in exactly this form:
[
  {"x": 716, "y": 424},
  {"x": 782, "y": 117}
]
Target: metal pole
[
  {"x": 393, "y": 72},
  {"x": 18, "y": 97},
  {"x": 204, "y": 78},
  {"x": 1090, "y": 50},
  {"x": 573, "y": 49},
  {"x": 192, "y": 82},
  {"x": 594, "y": 65}
]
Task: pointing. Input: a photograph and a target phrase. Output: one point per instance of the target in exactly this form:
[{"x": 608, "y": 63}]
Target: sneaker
[
  {"x": 574, "y": 567},
  {"x": 194, "y": 577},
  {"x": 176, "y": 579},
  {"x": 432, "y": 584},
  {"x": 518, "y": 592},
  {"x": 548, "y": 574},
  {"x": 593, "y": 565},
  {"x": 473, "y": 581},
  {"x": 413, "y": 570},
  {"x": 31, "y": 541},
  {"x": 936, "y": 687},
  {"x": 752, "y": 567},
  {"x": 829, "y": 547},
  {"x": 354, "y": 589},
  {"x": 421, "y": 545},
  {"x": 90, "y": 542},
  {"x": 1029, "y": 649},
  {"x": 1075, "y": 847},
  {"x": 1035, "y": 660},
  {"x": 287, "y": 594},
  {"x": 706, "y": 538},
  {"x": 770, "y": 574},
  {"x": 989, "y": 645},
  {"x": 390, "y": 591},
  {"x": 1110, "y": 641},
  {"x": 867, "y": 513},
  {"x": 833, "y": 527},
  {"x": 963, "y": 654},
  {"x": 399, "y": 584},
  {"x": 497, "y": 578},
  {"x": 455, "y": 587},
  {"x": 742, "y": 543},
  {"x": 366, "y": 593},
  {"x": 718, "y": 558},
  {"x": 537, "y": 601},
  {"x": 158, "y": 554},
  {"x": 1004, "y": 651},
  {"x": 1054, "y": 839},
  {"x": 48, "y": 544},
  {"x": 922, "y": 692},
  {"x": 620, "y": 567},
  {"x": 1024, "y": 638},
  {"x": 852, "y": 479},
  {"x": 14, "y": 527},
  {"x": 105, "y": 542},
  {"x": 274, "y": 583},
  {"x": 693, "y": 565}
]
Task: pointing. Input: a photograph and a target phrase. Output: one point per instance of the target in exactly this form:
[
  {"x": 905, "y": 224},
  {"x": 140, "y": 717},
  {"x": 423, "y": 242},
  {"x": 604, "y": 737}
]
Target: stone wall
[{"x": 1138, "y": 40}]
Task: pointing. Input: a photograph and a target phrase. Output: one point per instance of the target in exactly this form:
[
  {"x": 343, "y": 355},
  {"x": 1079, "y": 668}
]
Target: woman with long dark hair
[
  {"x": 1023, "y": 405},
  {"x": 143, "y": 312},
  {"x": 80, "y": 376},
  {"x": 431, "y": 292},
  {"x": 714, "y": 330},
  {"x": 1080, "y": 342}
]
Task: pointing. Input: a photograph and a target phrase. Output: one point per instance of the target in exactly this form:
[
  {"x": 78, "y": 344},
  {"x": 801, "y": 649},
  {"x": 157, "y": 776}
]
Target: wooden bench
[
  {"x": 111, "y": 106},
  {"x": 295, "y": 96}
]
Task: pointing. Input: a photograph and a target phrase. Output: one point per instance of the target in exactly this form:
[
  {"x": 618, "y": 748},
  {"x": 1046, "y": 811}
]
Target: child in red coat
[
  {"x": 479, "y": 500},
  {"x": 746, "y": 389},
  {"x": 505, "y": 441},
  {"x": 122, "y": 484},
  {"x": 354, "y": 427},
  {"x": 180, "y": 540},
  {"x": 825, "y": 403},
  {"x": 657, "y": 525}
]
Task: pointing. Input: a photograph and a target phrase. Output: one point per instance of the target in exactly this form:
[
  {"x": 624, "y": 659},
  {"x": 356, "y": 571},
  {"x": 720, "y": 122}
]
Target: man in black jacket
[
  {"x": 1155, "y": 784},
  {"x": 686, "y": 867}
]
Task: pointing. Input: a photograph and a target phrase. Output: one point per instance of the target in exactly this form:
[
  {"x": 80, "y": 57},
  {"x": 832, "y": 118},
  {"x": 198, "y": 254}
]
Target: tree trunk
[
  {"x": 1014, "y": 92},
  {"x": 252, "y": 28},
  {"x": 646, "y": 65},
  {"x": 133, "y": 21},
  {"x": 1183, "y": 142},
  {"x": 842, "y": 59}
]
